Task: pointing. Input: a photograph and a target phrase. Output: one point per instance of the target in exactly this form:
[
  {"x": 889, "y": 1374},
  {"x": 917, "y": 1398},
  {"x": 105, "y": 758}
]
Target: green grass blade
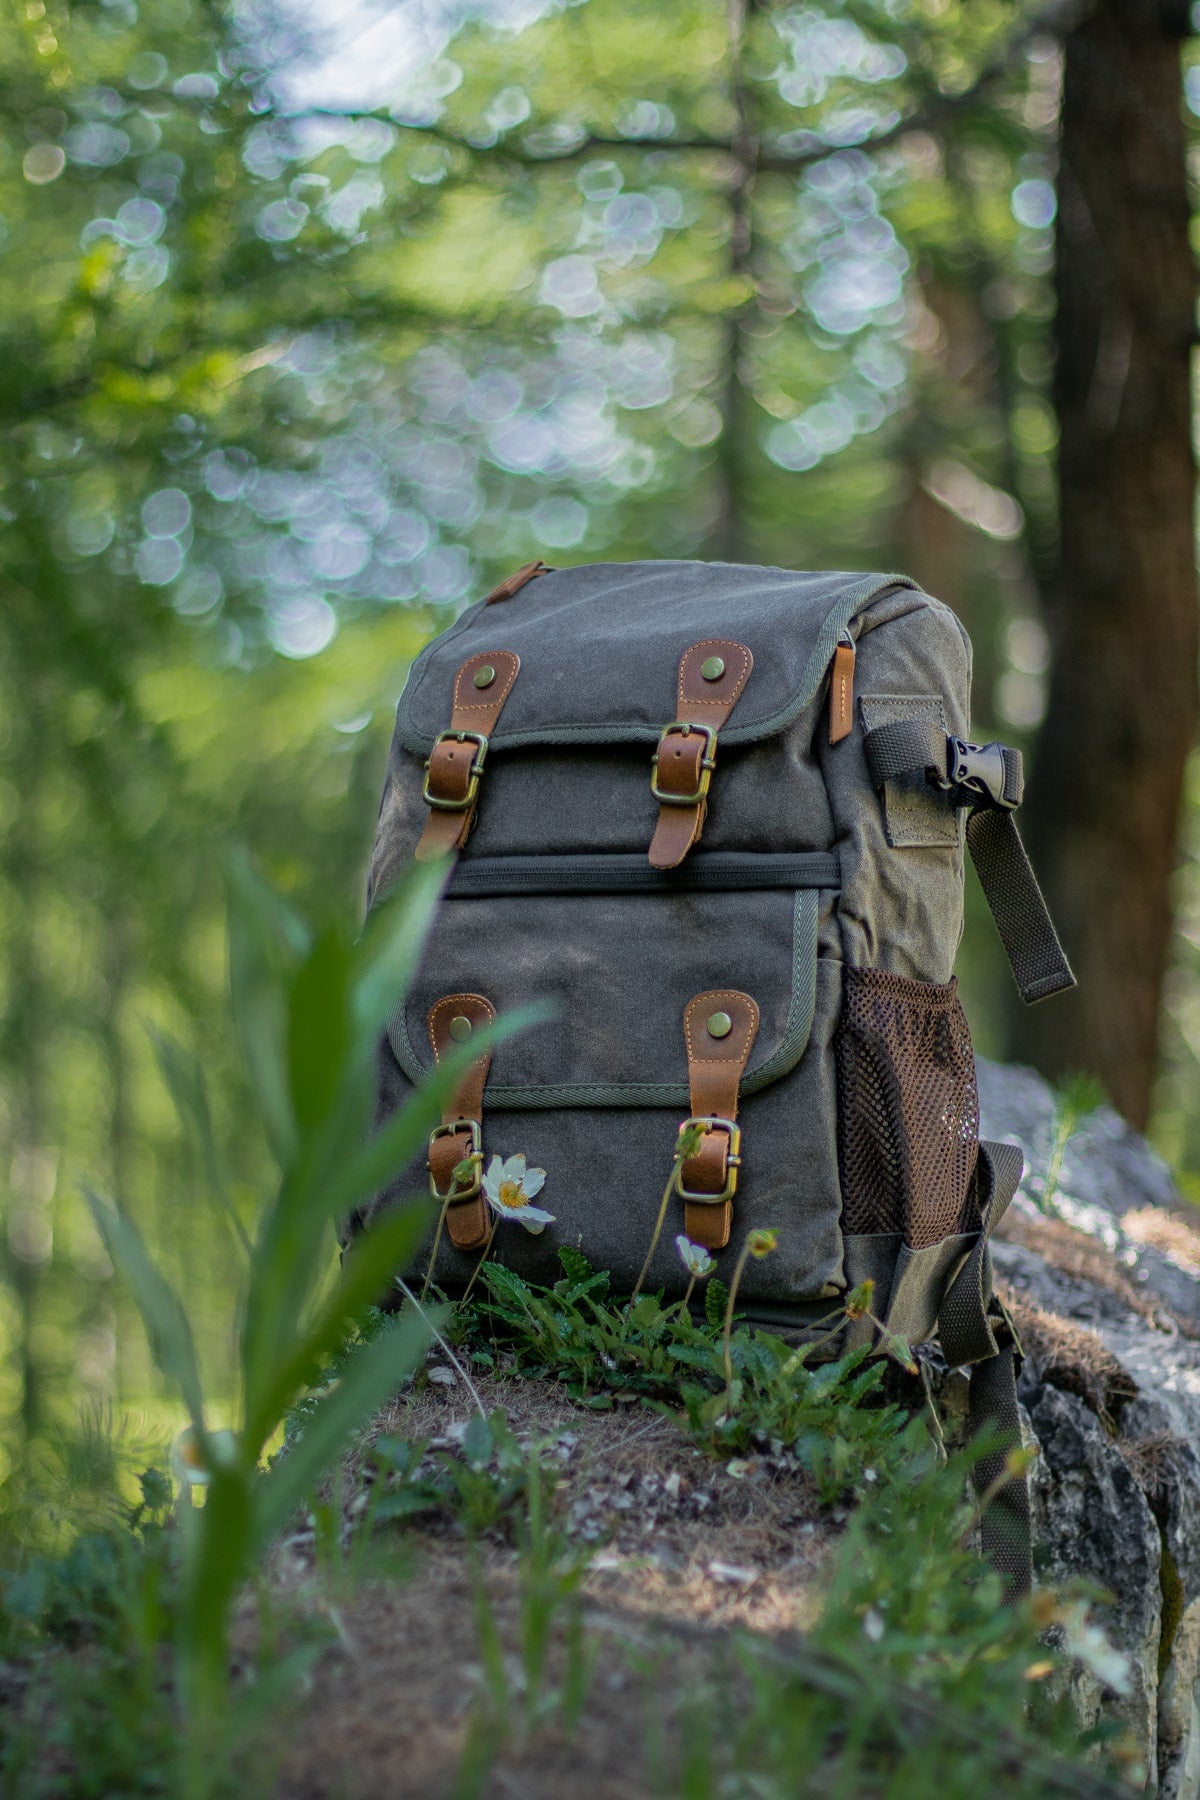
[
  {"x": 370, "y": 1377},
  {"x": 394, "y": 938},
  {"x": 400, "y": 1139},
  {"x": 161, "y": 1309},
  {"x": 266, "y": 942},
  {"x": 336, "y": 1167},
  {"x": 184, "y": 1079},
  {"x": 375, "y": 1258},
  {"x": 318, "y": 1032}
]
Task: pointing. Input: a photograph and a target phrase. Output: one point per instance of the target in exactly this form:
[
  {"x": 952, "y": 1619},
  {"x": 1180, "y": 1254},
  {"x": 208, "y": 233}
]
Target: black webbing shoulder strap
[
  {"x": 987, "y": 780},
  {"x": 975, "y": 1331}
]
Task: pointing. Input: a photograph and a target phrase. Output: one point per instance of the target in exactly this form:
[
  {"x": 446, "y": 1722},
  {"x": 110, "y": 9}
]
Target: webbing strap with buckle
[
  {"x": 987, "y": 780},
  {"x": 455, "y": 1159},
  {"x": 712, "y": 675},
  {"x": 719, "y": 1029},
  {"x": 975, "y": 1331},
  {"x": 452, "y": 773}
]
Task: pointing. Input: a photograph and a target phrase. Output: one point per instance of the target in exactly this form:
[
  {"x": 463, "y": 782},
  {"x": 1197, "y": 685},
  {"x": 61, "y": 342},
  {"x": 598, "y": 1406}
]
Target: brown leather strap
[
  {"x": 684, "y": 759},
  {"x": 512, "y": 584},
  {"x": 451, "y": 1022},
  {"x": 719, "y": 1029},
  {"x": 455, "y": 764},
  {"x": 841, "y": 691}
]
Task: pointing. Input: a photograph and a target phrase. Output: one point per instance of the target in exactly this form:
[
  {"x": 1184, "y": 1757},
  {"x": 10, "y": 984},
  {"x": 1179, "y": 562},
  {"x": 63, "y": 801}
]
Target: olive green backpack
[{"x": 712, "y": 819}]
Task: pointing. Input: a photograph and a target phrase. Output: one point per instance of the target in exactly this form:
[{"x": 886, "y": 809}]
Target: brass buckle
[
  {"x": 708, "y": 763},
  {"x": 481, "y": 746},
  {"x": 711, "y": 1122},
  {"x": 474, "y": 1156}
]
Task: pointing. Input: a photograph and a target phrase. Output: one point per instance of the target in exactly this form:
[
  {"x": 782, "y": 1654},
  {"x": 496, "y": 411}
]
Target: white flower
[
  {"x": 696, "y": 1261},
  {"x": 510, "y": 1186},
  {"x": 1091, "y": 1646},
  {"x": 188, "y": 1464}
]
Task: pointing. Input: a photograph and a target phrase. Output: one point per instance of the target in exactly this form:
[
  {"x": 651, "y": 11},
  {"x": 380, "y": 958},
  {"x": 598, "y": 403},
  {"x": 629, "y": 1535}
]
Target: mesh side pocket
[{"x": 908, "y": 1109}]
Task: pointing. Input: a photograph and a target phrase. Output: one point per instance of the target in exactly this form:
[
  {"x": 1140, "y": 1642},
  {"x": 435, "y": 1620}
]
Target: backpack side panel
[
  {"x": 901, "y": 904},
  {"x": 907, "y": 1101}
]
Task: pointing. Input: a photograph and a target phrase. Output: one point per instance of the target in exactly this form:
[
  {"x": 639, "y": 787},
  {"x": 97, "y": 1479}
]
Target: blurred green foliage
[{"x": 307, "y": 332}]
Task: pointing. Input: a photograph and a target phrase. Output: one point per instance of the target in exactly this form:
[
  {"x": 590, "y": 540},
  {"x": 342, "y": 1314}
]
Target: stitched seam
[
  {"x": 433, "y": 1025},
  {"x": 736, "y": 1066},
  {"x": 848, "y": 602},
  {"x": 715, "y": 644},
  {"x": 506, "y": 659},
  {"x": 486, "y": 708},
  {"x": 456, "y": 1000},
  {"x": 608, "y": 1094}
]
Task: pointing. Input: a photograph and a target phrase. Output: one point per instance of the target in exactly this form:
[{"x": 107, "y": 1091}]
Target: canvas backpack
[{"x": 712, "y": 819}]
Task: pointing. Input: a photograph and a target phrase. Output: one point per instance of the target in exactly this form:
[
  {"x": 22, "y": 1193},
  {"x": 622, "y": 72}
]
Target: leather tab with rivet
[
  {"x": 712, "y": 675},
  {"x": 458, "y": 1138},
  {"x": 455, "y": 765},
  {"x": 719, "y": 1029}
]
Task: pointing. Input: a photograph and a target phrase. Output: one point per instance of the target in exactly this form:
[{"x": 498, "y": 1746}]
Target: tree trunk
[
  {"x": 1103, "y": 814},
  {"x": 728, "y": 537}
]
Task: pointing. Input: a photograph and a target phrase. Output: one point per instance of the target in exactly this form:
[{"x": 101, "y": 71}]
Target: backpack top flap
[{"x": 600, "y": 646}]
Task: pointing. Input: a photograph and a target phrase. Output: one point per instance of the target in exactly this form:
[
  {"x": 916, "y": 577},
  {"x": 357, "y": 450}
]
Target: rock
[
  {"x": 1092, "y": 1520},
  {"x": 1108, "y": 1177},
  {"x": 1103, "y": 1274},
  {"x": 1108, "y": 1166},
  {"x": 1179, "y": 1713}
]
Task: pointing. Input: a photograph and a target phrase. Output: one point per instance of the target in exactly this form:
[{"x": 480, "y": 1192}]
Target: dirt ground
[{"x": 683, "y": 1552}]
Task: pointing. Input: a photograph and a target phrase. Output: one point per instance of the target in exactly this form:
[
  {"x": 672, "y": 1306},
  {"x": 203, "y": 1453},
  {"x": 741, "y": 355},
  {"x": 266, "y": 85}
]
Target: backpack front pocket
[{"x": 613, "y": 954}]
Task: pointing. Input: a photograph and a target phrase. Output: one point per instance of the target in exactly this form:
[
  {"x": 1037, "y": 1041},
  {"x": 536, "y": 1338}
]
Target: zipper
[
  {"x": 712, "y": 871},
  {"x": 841, "y": 690}
]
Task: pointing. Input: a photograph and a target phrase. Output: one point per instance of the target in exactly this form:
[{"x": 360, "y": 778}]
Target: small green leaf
[
  {"x": 712, "y": 1409},
  {"x": 477, "y": 1441},
  {"x": 716, "y": 1300},
  {"x": 155, "y": 1488},
  {"x": 575, "y": 1265}
]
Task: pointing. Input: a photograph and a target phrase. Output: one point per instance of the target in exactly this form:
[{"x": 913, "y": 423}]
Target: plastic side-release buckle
[{"x": 982, "y": 774}]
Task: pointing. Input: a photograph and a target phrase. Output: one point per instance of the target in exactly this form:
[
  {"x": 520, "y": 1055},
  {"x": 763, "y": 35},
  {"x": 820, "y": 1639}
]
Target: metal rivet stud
[
  {"x": 460, "y": 1028},
  {"x": 712, "y": 668},
  {"x": 719, "y": 1025},
  {"x": 484, "y": 675}
]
